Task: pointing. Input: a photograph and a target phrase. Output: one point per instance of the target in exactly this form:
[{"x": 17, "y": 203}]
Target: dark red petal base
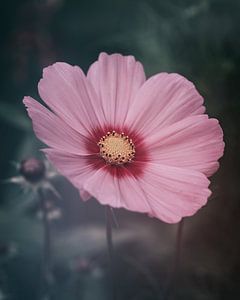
[{"x": 129, "y": 169}]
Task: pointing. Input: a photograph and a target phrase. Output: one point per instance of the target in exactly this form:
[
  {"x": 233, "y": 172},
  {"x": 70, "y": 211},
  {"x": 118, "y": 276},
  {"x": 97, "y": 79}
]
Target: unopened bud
[{"x": 32, "y": 169}]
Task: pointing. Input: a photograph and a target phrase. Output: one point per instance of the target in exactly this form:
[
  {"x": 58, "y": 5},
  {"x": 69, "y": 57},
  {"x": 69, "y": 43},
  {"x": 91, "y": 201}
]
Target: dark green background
[{"x": 199, "y": 39}]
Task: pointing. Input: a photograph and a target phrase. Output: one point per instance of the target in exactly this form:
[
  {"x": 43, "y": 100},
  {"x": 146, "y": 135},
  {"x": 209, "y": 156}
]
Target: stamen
[{"x": 116, "y": 148}]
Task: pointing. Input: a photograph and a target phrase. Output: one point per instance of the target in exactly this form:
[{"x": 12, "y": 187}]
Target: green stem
[
  {"x": 178, "y": 248},
  {"x": 170, "y": 285},
  {"x": 110, "y": 250},
  {"x": 47, "y": 259}
]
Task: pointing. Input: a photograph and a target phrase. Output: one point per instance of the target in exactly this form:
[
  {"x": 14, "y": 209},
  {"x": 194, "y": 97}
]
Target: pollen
[{"x": 116, "y": 148}]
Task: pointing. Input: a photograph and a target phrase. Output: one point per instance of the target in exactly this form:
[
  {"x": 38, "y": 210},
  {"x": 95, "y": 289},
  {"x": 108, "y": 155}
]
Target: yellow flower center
[{"x": 116, "y": 148}]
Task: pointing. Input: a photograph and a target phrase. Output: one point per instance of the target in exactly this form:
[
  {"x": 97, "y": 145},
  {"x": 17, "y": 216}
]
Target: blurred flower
[
  {"x": 145, "y": 145},
  {"x": 33, "y": 170},
  {"x": 34, "y": 174},
  {"x": 53, "y": 212},
  {"x": 84, "y": 265},
  {"x": 81, "y": 265}
]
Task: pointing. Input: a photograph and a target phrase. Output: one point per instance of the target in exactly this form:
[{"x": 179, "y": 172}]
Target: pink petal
[
  {"x": 165, "y": 192},
  {"x": 68, "y": 93},
  {"x": 194, "y": 143},
  {"x": 76, "y": 168},
  {"x": 53, "y": 131},
  {"x": 174, "y": 192},
  {"x": 161, "y": 101},
  {"x": 85, "y": 196},
  {"x": 124, "y": 191},
  {"x": 116, "y": 80}
]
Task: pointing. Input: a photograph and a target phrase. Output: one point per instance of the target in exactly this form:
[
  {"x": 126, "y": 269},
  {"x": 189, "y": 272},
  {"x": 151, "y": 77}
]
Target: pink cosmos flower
[{"x": 145, "y": 145}]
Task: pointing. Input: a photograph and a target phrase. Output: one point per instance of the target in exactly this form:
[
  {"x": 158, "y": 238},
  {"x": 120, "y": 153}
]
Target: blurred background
[{"x": 198, "y": 39}]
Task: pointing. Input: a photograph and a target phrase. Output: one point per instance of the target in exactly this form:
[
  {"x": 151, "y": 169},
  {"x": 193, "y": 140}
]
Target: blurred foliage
[{"x": 199, "y": 39}]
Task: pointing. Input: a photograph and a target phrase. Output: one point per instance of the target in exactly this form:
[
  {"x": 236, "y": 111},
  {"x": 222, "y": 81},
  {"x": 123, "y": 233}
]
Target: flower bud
[{"x": 32, "y": 169}]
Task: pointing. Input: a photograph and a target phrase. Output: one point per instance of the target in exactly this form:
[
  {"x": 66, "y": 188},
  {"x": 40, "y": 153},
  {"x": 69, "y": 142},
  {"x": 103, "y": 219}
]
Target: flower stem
[
  {"x": 110, "y": 250},
  {"x": 170, "y": 286},
  {"x": 47, "y": 262},
  {"x": 178, "y": 247}
]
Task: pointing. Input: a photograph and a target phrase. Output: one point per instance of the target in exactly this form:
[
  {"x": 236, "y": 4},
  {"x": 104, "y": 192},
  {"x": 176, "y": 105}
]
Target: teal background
[{"x": 198, "y": 39}]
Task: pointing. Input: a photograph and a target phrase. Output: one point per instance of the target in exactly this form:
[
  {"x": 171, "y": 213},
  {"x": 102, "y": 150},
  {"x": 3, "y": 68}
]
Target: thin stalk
[
  {"x": 110, "y": 250},
  {"x": 47, "y": 257},
  {"x": 170, "y": 286},
  {"x": 178, "y": 247}
]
